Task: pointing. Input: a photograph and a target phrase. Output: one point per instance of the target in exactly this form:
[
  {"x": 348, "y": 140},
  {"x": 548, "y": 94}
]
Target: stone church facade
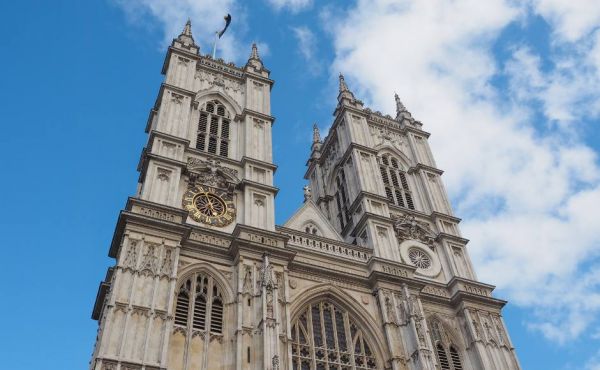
[{"x": 370, "y": 273}]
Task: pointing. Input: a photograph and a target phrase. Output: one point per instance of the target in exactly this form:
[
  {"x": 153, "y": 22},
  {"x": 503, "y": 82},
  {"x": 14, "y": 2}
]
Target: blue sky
[{"x": 507, "y": 89}]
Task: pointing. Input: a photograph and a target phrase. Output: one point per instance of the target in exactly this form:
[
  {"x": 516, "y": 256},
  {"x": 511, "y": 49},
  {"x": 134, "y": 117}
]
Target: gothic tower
[{"x": 371, "y": 272}]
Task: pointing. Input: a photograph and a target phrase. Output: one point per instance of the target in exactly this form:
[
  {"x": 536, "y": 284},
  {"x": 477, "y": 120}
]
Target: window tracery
[
  {"x": 326, "y": 337},
  {"x": 395, "y": 182},
  {"x": 199, "y": 304},
  {"x": 213, "y": 129}
]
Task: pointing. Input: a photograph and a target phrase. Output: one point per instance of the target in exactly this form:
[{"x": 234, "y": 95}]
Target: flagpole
[{"x": 214, "y": 53}]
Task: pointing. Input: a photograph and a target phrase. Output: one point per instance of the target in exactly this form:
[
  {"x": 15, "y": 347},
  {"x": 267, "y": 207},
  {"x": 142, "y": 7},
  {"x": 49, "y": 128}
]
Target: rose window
[{"x": 419, "y": 258}]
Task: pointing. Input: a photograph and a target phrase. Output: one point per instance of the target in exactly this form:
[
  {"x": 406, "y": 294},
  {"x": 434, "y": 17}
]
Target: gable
[{"x": 310, "y": 216}]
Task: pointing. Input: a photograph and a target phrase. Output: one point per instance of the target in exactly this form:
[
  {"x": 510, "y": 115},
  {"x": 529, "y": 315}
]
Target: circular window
[
  {"x": 419, "y": 258},
  {"x": 419, "y": 255}
]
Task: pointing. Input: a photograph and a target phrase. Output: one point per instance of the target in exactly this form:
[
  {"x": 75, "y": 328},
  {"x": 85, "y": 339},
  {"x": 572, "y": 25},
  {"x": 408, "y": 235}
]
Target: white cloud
[
  {"x": 206, "y": 16},
  {"x": 571, "y": 20},
  {"x": 307, "y": 45},
  {"x": 529, "y": 191},
  {"x": 293, "y": 5}
]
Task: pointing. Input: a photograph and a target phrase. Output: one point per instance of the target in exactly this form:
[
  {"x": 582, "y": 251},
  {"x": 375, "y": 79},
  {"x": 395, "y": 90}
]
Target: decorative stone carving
[
  {"x": 307, "y": 193},
  {"x": 131, "y": 257},
  {"x": 149, "y": 259},
  {"x": 166, "y": 267},
  {"x": 407, "y": 227},
  {"x": 247, "y": 284},
  {"x": 389, "y": 308},
  {"x": 211, "y": 173}
]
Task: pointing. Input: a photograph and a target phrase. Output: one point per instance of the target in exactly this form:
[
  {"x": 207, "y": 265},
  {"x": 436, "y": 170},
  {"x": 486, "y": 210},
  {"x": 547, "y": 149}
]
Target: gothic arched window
[
  {"x": 395, "y": 183},
  {"x": 341, "y": 198},
  {"x": 200, "y": 304},
  {"x": 213, "y": 129},
  {"x": 326, "y": 337}
]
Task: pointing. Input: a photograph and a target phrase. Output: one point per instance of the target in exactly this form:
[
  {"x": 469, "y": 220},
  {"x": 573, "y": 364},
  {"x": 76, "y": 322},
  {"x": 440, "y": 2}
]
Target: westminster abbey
[{"x": 371, "y": 272}]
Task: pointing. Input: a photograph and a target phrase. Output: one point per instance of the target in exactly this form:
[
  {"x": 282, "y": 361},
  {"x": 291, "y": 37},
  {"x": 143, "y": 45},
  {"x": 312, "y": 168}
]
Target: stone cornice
[
  {"x": 156, "y": 133},
  {"x": 258, "y": 185},
  {"x": 171, "y": 50},
  {"x": 380, "y": 269},
  {"x": 438, "y": 215},
  {"x": 145, "y": 213},
  {"x": 245, "y": 160},
  {"x": 253, "y": 113},
  {"x": 256, "y": 76},
  {"x": 426, "y": 168},
  {"x": 455, "y": 238}
]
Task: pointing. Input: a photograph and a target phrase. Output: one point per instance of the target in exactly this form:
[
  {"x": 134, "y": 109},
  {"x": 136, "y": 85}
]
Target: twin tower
[{"x": 371, "y": 272}]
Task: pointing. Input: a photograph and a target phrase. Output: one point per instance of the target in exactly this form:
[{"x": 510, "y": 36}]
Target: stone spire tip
[
  {"x": 316, "y": 134},
  {"x": 254, "y": 53}
]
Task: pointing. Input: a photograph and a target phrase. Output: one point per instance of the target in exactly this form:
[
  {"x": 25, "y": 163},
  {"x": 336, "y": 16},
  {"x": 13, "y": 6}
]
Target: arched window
[
  {"x": 394, "y": 180},
  {"x": 341, "y": 198},
  {"x": 213, "y": 129},
  {"x": 442, "y": 357},
  {"x": 455, "y": 358},
  {"x": 326, "y": 337},
  {"x": 194, "y": 312}
]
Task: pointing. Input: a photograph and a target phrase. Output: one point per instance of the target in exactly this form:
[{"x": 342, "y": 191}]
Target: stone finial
[
  {"x": 254, "y": 52},
  {"x": 316, "y": 134},
  {"x": 254, "y": 60},
  {"x": 401, "y": 111},
  {"x": 187, "y": 29},
  {"x": 186, "y": 38},
  {"x": 343, "y": 86},
  {"x": 307, "y": 193},
  {"x": 399, "y": 106},
  {"x": 345, "y": 92}
]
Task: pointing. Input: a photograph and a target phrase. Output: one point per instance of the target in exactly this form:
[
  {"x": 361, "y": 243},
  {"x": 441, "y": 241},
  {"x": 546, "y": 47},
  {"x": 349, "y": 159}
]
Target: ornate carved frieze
[
  {"x": 433, "y": 290},
  {"x": 211, "y": 173},
  {"x": 156, "y": 213},
  {"x": 407, "y": 227},
  {"x": 209, "y": 239}
]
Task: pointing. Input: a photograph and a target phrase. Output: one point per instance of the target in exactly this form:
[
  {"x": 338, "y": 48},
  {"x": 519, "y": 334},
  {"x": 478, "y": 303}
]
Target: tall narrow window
[
  {"x": 442, "y": 357},
  {"x": 183, "y": 304},
  {"x": 395, "y": 182},
  {"x": 205, "y": 291},
  {"x": 342, "y": 200},
  {"x": 327, "y": 336},
  {"x": 213, "y": 129},
  {"x": 455, "y": 358}
]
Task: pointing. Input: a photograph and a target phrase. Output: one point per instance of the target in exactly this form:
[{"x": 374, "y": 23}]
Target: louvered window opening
[
  {"x": 326, "y": 337},
  {"x": 213, "y": 129},
  {"x": 205, "y": 310},
  {"x": 453, "y": 363},
  {"x": 342, "y": 200},
  {"x": 395, "y": 182}
]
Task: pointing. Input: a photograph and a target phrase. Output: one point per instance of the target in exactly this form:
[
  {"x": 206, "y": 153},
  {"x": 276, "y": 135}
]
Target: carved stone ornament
[
  {"x": 211, "y": 173},
  {"x": 267, "y": 278},
  {"x": 407, "y": 227}
]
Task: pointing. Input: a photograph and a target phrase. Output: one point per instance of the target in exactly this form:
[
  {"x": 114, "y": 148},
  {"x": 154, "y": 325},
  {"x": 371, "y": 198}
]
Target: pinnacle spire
[
  {"x": 316, "y": 134},
  {"x": 254, "y": 52},
  {"x": 185, "y": 38},
  {"x": 399, "y": 106},
  {"x": 343, "y": 86},
  {"x": 187, "y": 29}
]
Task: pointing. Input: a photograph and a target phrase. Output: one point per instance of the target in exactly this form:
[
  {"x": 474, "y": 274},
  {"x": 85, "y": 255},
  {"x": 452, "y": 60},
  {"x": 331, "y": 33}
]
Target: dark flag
[{"x": 227, "y": 21}]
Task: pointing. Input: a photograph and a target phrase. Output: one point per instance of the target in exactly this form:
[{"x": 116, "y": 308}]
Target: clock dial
[{"x": 209, "y": 206}]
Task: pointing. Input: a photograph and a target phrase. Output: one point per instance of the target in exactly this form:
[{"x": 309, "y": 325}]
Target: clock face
[{"x": 209, "y": 206}]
